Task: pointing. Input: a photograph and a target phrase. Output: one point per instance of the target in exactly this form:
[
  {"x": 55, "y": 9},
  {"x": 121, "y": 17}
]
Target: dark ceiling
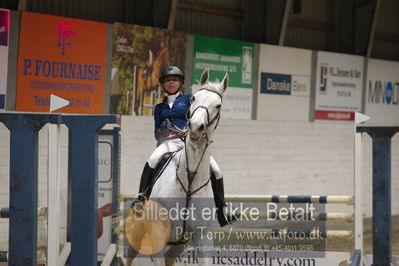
[{"x": 362, "y": 27}]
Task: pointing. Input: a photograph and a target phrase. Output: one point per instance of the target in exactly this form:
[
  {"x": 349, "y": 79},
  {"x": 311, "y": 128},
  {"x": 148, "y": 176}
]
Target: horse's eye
[
  {"x": 218, "y": 106},
  {"x": 192, "y": 99}
]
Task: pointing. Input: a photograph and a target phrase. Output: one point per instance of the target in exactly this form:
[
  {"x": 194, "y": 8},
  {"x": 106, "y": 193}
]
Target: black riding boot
[
  {"x": 218, "y": 195},
  {"x": 145, "y": 185}
]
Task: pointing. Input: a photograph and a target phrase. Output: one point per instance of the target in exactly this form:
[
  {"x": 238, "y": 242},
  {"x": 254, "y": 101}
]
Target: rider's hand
[
  {"x": 163, "y": 131},
  {"x": 164, "y": 125},
  {"x": 141, "y": 198}
]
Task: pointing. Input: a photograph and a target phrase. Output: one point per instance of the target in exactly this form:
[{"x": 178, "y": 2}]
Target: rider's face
[{"x": 171, "y": 84}]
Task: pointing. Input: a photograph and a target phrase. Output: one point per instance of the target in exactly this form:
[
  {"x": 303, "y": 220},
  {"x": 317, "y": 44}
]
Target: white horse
[{"x": 185, "y": 182}]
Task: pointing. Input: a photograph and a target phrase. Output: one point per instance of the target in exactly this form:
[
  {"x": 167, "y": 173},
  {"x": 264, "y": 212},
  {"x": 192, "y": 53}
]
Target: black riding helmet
[{"x": 171, "y": 71}]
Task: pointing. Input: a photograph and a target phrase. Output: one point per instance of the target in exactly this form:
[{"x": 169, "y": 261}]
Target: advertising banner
[
  {"x": 235, "y": 58},
  {"x": 139, "y": 54},
  {"x": 64, "y": 57},
  {"x": 4, "y": 36},
  {"x": 339, "y": 80},
  {"x": 382, "y": 91},
  {"x": 284, "y": 83}
]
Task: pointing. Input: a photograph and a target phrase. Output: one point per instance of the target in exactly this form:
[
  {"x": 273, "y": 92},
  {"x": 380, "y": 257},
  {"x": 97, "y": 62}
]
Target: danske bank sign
[
  {"x": 383, "y": 92},
  {"x": 275, "y": 83}
]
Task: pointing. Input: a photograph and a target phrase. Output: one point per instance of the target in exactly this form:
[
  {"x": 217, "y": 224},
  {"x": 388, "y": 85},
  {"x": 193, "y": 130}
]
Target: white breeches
[
  {"x": 167, "y": 146},
  {"x": 174, "y": 145}
]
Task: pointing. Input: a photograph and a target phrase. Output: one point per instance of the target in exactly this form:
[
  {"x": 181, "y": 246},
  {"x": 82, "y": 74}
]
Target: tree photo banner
[{"x": 138, "y": 56}]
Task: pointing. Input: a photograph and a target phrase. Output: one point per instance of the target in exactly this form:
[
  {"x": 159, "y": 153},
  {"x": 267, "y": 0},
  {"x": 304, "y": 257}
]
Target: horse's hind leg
[
  {"x": 131, "y": 254},
  {"x": 134, "y": 260},
  {"x": 172, "y": 253}
]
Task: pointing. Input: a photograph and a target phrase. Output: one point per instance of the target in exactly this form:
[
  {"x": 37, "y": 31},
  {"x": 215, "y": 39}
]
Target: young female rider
[{"x": 170, "y": 119}]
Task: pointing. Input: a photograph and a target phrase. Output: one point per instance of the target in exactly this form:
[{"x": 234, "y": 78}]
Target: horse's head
[{"x": 205, "y": 107}]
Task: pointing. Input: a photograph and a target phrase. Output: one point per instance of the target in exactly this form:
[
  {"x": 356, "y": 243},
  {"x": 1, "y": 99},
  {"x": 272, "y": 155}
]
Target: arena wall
[
  {"x": 270, "y": 157},
  {"x": 256, "y": 157}
]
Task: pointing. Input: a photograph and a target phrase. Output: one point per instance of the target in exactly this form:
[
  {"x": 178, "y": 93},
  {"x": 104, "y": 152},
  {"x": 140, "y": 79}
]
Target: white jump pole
[
  {"x": 53, "y": 190},
  {"x": 359, "y": 118},
  {"x": 53, "y": 196}
]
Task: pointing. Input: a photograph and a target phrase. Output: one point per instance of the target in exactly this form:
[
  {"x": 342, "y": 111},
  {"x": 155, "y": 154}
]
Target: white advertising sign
[
  {"x": 237, "y": 103},
  {"x": 284, "y": 83},
  {"x": 4, "y": 42},
  {"x": 339, "y": 80},
  {"x": 382, "y": 91}
]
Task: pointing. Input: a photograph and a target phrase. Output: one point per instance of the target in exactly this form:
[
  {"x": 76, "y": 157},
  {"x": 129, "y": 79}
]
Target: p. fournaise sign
[{"x": 61, "y": 56}]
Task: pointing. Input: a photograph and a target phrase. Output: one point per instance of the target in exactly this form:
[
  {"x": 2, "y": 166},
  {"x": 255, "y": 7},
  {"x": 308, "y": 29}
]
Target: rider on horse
[{"x": 170, "y": 124}]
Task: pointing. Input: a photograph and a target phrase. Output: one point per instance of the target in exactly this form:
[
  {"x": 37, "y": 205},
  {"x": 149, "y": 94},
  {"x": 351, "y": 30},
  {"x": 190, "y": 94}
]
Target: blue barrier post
[
  {"x": 382, "y": 241},
  {"x": 82, "y": 185},
  {"x": 24, "y": 129}
]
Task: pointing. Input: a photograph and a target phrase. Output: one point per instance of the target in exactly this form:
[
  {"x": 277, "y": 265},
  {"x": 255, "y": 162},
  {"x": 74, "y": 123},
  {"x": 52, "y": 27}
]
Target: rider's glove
[
  {"x": 141, "y": 198},
  {"x": 163, "y": 125}
]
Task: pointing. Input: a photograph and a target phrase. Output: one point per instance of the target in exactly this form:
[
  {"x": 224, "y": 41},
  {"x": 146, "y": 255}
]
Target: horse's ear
[
  {"x": 204, "y": 77},
  {"x": 225, "y": 81}
]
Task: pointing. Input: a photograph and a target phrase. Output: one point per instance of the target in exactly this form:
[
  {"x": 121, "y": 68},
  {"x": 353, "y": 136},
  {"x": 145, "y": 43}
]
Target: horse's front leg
[
  {"x": 172, "y": 254},
  {"x": 203, "y": 244}
]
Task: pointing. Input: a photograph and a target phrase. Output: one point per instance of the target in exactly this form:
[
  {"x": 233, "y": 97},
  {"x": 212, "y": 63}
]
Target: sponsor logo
[
  {"x": 246, "y": 77},
  {"x": 65, "y": 33},
  {"x": 383, "y": 92},
  {"x": 284, "y": 84},
  {"x": 276, "y": 83},
  {"x": 339, "y": 116},
  {"x": 334, "y": 115},
  {"x": 340, "y": 79},
  {"x": 323, "y": 78},
  {"x": 4, "y": 25}
]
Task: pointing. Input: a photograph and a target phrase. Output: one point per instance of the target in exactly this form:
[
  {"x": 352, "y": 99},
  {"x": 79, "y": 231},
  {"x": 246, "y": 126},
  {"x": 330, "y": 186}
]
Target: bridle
[
  {"x": 192, "y": 174},
  {"x": 214, "y": 119}
]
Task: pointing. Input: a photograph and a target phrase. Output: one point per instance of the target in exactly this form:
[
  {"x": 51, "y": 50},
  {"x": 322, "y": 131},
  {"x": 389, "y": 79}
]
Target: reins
[
  {"x": 189, "y": 192},
  {"x": 192, "y": 174}
]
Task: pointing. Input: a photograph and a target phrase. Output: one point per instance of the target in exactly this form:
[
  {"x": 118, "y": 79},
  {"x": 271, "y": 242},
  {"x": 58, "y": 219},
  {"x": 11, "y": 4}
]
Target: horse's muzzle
[{"x": 196, "y": 130}]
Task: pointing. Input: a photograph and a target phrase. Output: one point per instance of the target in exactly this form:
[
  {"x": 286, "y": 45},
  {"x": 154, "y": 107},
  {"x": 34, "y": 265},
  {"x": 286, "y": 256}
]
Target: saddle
[{"x": 159, "y": 169}]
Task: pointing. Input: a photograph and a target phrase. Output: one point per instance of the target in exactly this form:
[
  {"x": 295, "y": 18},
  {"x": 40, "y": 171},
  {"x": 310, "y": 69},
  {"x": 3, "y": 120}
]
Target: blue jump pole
[
  {"x": 382, "y": 241},
  {"x": 24, "y": 129},
  {"x": 82, "y": 185}
]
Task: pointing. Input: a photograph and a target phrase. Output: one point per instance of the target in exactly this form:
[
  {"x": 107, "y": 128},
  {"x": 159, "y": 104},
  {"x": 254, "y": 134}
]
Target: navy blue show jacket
[{"x": 176, "y": 114}]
